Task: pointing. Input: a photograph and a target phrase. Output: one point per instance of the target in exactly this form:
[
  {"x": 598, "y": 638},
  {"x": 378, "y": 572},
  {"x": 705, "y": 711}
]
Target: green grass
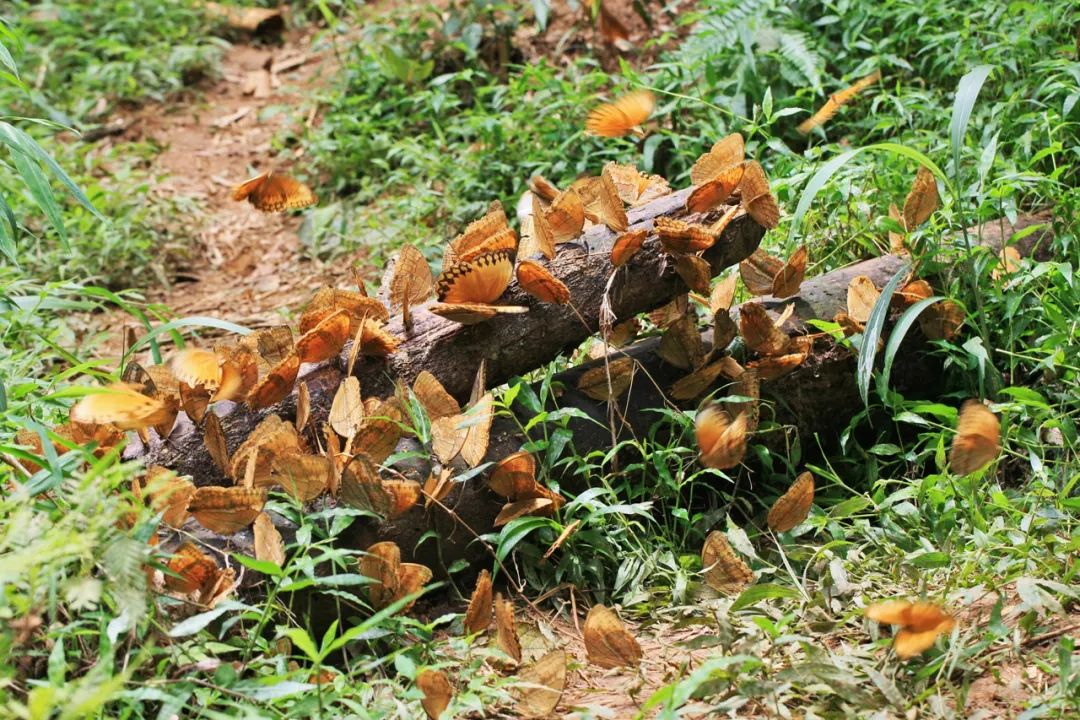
[{"x": 415, "y": 144}]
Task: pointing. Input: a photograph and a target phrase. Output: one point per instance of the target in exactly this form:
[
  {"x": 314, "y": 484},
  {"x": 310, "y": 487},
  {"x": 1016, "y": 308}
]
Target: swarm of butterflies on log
[{"x": 262, "y": 368}]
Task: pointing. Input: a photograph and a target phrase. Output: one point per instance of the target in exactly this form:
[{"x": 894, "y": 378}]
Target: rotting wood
[
  {"x": 515, "y": 344},
  {"x": 817, "y": 399},
  {"x": 512, "y": 345}
]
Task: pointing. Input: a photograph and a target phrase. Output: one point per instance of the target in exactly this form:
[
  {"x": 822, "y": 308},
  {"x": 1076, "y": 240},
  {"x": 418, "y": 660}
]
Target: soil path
[{"x": 245, "y": 266}]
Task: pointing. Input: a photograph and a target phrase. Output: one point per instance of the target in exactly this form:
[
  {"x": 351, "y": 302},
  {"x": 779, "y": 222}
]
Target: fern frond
[{"x": 799, "y": 65}]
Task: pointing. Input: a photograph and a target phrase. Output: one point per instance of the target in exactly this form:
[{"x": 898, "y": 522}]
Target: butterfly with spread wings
[{"x": 274, "y": 192}]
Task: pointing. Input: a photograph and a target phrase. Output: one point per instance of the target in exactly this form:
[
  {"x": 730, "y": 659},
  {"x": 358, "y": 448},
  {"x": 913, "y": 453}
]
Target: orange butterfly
[
  {"x": 623, "y": 116},
  {"x": 271, "y": 192},
  {"x": 978, "y": 438},
  {"x": 836, "y": 101},
  {"x": 920, "y": 624}
]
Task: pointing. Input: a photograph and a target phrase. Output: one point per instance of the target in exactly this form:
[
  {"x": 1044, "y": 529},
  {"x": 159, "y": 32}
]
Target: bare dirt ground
[{"x": 246, "y": 266}]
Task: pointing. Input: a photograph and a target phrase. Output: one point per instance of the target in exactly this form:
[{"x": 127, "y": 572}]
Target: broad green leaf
[
  {"x": 38, "y": 185},
  {"x": 541, "y": 9},
  {"x": 195, "y": 623},
  {"x": 301, "y": 640},
  {"x": 765, "y": 591},
  {"x": 7, "y": 61},
  {"x": 263, "y": 566},
  {"x": 516, "y": 531},
  {"x": 967, "y": 92},
  {"x": 8, "y": 232},
  {"x": 849, "y": 507}
]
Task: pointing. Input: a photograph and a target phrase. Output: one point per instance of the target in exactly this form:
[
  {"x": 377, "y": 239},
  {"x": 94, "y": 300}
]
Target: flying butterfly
[
  {"x": 274, "y": 192},
  {"x": 921, "y": 623},
  {"x": 836, "y": 101},
  {"x": 721, "y": 440},
  {"x": 977, "y": 440},
  {"x": 123, "y": 406},
  {"x": 622, "y": 116}
]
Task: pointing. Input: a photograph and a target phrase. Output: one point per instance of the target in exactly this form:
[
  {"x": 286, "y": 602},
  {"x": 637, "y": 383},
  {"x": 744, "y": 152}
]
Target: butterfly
[
  {"x": 272, "y": 192},
  {"x": 481, "y": 275},
  {"x": 793, "y": 506},
  {"x": 922, "y": 201},
  {"x": 721, "y": 440},
  {"x": 977, "y": 440},
  {"x": 836, "y": 101},
  {"x": 542, "y": 685},
  {"x": 757, "y": 198},
  {"x": 478, "y": 615},
  {"x": 392, "y": 579},
  {"x": 269, "y": 545},
  {"x": 921, "y": 624},
  {"x": 226, "y": 510},
  {"x": 725, "y": 152},
  {"x": 723, "y": 570},
  {"x": 437, "y": 692},
  {"x": 125, "y": 407},
  {"x": 607, "y": 641},
  {"x": 764, "y": 274},
  {"x": 623, "y": 116},
  {"x": 538, "y": 281}
]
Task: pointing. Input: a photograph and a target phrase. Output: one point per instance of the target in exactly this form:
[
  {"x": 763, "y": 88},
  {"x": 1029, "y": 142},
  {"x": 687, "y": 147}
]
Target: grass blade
[
  {"x": 874, "y": 326},
  {"x": 967, "y": 92},
  {"x": 817, "y": 182},
  {"x": 20, "y": 141},
  {"x": 900, "y": 330},
  {"x": 7, "y": 240},
  {"x": 39, "y": 188},
  {"x": 193, "y": 321}
]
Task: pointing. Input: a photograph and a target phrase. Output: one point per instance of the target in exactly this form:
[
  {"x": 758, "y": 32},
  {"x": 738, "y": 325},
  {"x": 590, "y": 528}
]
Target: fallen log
[
  {"x": 818, "y": 398},
  {"x": 514, "y": 344},
  {"x": 510, "y": 345}
]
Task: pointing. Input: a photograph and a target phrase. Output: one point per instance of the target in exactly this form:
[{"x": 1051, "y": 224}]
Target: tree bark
[
  {"x": 514, "y": 344},
  {"x": 818, "y": 399},
  {"x": 511, "y": 344}
]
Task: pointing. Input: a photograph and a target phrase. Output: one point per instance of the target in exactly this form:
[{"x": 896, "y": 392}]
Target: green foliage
[
  {"x": 86, "y": 54},
  {"x": 435, "y": 116}
]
